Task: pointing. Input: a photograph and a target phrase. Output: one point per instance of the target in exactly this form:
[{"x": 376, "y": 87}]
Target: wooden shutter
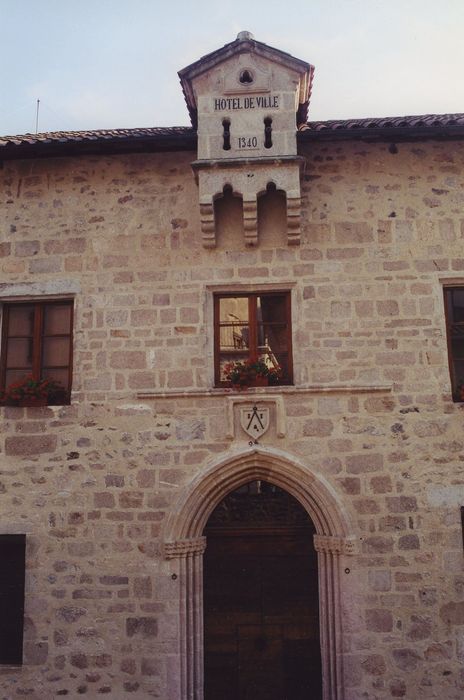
[{"x": 12, "y": 568}]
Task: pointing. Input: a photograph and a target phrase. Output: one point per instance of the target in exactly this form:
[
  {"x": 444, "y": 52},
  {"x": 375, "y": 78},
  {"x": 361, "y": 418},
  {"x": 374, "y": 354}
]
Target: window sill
[
  {"x": 28, "y": 404},
  {"x": 278, "y": 388}
]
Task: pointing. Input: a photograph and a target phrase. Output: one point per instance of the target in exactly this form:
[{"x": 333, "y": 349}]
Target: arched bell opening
[{"x": 261, "y": 603}]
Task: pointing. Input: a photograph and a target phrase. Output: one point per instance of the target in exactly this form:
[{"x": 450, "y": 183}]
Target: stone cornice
[{"x": 260, "y": 392}]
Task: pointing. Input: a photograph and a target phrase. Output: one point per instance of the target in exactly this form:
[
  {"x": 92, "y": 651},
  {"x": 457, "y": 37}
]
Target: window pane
[
  {"x": 233, "y": 322},
  {"x": 457, "y": 348},
  {"x": 57, "y": 319},
  {"x": 457, "y": 330},
  {"x": 21, "y": 320},
  {"x": 58, "y": 375},
  {"x": 230, "y": 357},
  {"x": 276, "y": 361},
  {"x": 55, "y": 352},
  {"x": 458, "y": 379},
  {"x": 272, "y": 308},
  {"x": 19, "y": 353},
  {"x": 458, "y": 304},
  {"x": 272, "y": 338},
  {"x": 15, "y": 375}
]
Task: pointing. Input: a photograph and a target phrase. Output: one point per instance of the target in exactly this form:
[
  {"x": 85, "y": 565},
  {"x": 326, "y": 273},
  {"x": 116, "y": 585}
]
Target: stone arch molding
[{"x": 183, "y": 541}]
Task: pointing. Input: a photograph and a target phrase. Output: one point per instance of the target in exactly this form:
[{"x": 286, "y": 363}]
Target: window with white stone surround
[
  {"x": 253, "y": 326},
  {"x": 37, "y": 343}
]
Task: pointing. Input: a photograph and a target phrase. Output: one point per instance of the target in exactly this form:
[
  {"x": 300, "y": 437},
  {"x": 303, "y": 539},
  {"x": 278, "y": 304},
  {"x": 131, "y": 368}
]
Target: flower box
[
  {"x": 29, "y": 392},
  {"x": 250, "y": 373}
]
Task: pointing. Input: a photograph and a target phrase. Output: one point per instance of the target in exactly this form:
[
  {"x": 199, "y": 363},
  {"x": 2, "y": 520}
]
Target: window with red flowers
[
  {"x": 251, "y": 327},
  {"x": 37, "y": 344}
]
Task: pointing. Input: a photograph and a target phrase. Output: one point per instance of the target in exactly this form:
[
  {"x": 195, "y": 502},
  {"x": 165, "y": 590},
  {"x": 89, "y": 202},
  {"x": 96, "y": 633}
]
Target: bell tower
[{"x": 246, "y": 101}]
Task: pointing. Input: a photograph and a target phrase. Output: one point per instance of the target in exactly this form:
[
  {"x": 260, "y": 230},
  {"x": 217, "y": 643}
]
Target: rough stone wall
[{"x": 92, "y": 483}]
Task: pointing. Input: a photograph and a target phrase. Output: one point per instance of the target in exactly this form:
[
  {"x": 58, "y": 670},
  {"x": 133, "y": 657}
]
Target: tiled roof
[
  {"x": 102, "y": 140},
  {"x": 184, "y": 138},
  {"x": 412, "y": 122},
  {"x": 101, "y": 134}
]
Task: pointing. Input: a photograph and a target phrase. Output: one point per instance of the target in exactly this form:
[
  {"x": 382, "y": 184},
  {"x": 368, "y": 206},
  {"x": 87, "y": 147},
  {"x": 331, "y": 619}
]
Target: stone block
[
  {"x": 30, "y": 445},
  {"x": 406, "y": 658},
  {"x": 350, "y": 232},
  {"x": 409, "y": 542},
  {"x": 364, "y": 463},
  {"x": 103, "y": 500},
  {"x": 380, "y": 580},
  {"x": 379, "y": 620},
  {"x": 128, "y": 359},
  {"x": 142, "y": 587},
  {"x": 131, "y": 499},
  {"x": 70, "y": 613},
  {"x": 317, "y": 427},
  {"x": 420, "y": 628},
  {"x": 453, "y": 613},
  {"x": 374, "y": 665},
  {"x": 35, "y": 653},
  {"x": 401, "y": 504},
  {"x": 145, "y": 627}
]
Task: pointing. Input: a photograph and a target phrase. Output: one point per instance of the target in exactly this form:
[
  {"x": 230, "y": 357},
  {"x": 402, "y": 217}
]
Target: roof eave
[
  {"x": 389, "y": 134},
  {"x": 147, "y": 144}
]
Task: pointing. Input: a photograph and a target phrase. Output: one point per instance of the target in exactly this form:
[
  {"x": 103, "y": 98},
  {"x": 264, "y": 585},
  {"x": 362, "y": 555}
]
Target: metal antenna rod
[{"x": 37, "y": 117}]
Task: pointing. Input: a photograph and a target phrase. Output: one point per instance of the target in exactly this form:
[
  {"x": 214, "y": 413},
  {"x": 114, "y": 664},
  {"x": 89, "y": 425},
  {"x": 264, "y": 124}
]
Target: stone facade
[{"x": 100, "y": 486}]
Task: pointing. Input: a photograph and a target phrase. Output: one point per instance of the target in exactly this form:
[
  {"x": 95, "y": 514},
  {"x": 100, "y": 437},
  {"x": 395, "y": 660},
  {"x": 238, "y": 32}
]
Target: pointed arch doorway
[
  {"x": 185, "y": 544},
  {"x": 261, "y": 611}
]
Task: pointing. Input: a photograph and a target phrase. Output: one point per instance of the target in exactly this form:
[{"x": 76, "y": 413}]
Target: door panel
[{"x": 261, "y": 608}]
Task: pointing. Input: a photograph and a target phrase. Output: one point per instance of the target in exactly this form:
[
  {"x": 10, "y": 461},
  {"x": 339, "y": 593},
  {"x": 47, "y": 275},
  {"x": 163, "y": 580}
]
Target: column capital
[
  {"x": 181, "y": 548},
  {"x": 331, "y": 544}
]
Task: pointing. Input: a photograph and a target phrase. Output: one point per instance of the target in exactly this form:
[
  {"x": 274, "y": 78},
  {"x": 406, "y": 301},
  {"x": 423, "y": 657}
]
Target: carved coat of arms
[{"x": 254, "y": 421}]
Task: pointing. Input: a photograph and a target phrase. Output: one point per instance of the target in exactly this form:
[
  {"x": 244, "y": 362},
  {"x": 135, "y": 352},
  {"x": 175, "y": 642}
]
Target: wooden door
[{"x": 261, "y": 601}]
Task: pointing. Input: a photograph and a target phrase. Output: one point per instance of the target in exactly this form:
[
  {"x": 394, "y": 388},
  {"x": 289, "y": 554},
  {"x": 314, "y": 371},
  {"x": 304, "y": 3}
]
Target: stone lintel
[{"x": 267, "y": 161}]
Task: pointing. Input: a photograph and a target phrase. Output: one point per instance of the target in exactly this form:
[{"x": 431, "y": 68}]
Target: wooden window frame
[
  {"x": 12, "y": 581},
  {"x": 450, "y": 323},
  {"x": 253, "y": 327},
  {"x": 37, "y": 341}
]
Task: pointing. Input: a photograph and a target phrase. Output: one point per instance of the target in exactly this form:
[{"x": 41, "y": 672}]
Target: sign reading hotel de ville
[
  {"x": 227, "y": 104},
  {"x": 244, "y": 115}
]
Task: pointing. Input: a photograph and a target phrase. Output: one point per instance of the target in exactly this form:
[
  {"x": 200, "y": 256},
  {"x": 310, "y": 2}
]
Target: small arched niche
[
  {"x": 228, "y": 217},
  {"x": 272, "y": 216}
]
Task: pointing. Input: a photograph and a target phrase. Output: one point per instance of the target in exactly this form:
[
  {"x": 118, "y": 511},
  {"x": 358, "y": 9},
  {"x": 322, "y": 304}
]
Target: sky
[{"x": 103, "y": 64}]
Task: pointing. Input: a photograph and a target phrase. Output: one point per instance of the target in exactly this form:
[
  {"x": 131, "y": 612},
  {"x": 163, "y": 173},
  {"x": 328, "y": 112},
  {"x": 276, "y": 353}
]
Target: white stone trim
[
  {"x": 183, "y": 539},
  {"x": 48, "y": 288},
  {"x": 260, "y": 392}
]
